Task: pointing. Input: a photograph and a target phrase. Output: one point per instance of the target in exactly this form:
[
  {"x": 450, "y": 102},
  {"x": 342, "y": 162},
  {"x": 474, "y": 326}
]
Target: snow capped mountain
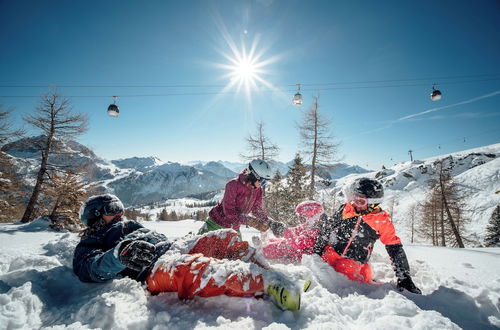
[
  {"x": 233, "y": 166},
  {"x": 141, "y": 164},
  {"x": 216, "y": 168},
  {"x": 26, "y": 153},
  {"x": 170, "y": 180},
  {"x": 30, "y": 148},
  {"x": 340, "y": 170}
]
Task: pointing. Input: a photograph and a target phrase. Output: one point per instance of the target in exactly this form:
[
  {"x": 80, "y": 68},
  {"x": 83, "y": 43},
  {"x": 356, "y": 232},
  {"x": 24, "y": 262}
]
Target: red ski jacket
[{"x": 240, "y": 199}]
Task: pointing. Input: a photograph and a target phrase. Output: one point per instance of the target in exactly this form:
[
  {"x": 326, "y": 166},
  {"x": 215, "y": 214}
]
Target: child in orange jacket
[{"x": 346, "y": 240}]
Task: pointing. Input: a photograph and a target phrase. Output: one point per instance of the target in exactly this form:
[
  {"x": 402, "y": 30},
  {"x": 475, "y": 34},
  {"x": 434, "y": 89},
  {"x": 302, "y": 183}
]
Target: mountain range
[{"x": 142, "y": 180}]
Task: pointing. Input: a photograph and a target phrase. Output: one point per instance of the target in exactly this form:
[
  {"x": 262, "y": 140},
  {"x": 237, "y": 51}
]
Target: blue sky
[{"x": 372, "y": 63}]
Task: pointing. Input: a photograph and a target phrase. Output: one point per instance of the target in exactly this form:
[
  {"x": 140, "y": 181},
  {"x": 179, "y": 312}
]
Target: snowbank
[{"x": 39, "y": 290}]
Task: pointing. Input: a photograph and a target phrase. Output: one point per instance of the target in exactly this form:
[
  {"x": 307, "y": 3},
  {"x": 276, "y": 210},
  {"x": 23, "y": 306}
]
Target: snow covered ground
[{"x": 461, "y": 289}]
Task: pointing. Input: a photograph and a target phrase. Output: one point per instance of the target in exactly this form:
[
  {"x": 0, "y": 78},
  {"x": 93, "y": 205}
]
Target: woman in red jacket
[
  {"x": 346, "y": 240},
  {"x": 243, "y": 203}
]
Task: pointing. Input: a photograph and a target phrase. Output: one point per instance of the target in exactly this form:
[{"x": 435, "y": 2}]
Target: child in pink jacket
[{"x": 298, "y": 240}]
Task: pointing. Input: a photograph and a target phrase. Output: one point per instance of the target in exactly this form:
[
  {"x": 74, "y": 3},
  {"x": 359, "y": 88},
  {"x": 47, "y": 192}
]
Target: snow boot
[{"x": 286, "y": 297}]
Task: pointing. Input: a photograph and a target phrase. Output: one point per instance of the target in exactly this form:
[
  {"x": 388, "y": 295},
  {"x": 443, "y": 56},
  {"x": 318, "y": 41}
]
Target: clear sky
[{"x": 174, "y": 66}]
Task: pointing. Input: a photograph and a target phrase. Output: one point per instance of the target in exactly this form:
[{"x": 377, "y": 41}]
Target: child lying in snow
[
  {"x": 345, "y": 241},
  {"x": 209, "y": 265},
  {"x": 298, "y": 240}
]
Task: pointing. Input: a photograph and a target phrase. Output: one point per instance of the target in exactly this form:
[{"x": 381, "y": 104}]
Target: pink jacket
[
  {"x": 296, "y": 241},
  {"x": 240, "y": 199}
]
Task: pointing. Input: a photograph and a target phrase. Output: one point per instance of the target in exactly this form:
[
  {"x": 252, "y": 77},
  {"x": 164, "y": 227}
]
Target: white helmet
[{"x": 260, "y": 169}]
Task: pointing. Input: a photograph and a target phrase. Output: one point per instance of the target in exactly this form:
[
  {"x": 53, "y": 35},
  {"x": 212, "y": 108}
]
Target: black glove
[
  {"x": 136, "y": 254},
  {"x": 406, "y": 283},
  {"x": 278, "y": 228}
]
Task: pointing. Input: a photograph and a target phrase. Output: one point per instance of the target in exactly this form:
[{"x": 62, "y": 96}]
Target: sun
[
  {"x": 245, "y": 65},
  {"x": 245, "y": 71}
]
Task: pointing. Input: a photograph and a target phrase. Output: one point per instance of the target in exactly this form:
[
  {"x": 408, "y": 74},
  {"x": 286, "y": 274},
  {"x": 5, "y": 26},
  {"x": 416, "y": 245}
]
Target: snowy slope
[
  {"x": 461, "y": 289},
  {"x": 476, "y": 172}
]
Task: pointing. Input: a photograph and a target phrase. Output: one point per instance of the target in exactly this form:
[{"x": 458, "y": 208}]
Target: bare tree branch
[
  {"x": 259, "y": 146},
  {"x": 318, "y": 142}
]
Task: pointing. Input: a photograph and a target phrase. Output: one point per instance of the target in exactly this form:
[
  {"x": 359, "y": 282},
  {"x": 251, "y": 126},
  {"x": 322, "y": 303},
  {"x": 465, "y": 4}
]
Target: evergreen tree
[
  {"x": 493, "y": 229},
  {"x": 163, "y": 215},
  {"x": 283, "y": 197},
  {"x": 296, "y": 180},
  {"x": 172, "y": 216},
  {"x": 274, "y": 198}
]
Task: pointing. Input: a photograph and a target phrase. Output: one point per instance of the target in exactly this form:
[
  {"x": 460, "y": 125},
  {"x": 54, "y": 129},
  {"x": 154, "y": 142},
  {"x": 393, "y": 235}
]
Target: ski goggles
[
  {"x": 361, "y": 202},
  {"x": 263, "y": 181},
  {"x": 113, "y": 208}
]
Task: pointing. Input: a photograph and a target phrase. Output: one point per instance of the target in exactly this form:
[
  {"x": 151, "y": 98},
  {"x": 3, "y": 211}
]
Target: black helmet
[
  {"x": 99, "y": 205},
  {"x": 370, "y": 189}
]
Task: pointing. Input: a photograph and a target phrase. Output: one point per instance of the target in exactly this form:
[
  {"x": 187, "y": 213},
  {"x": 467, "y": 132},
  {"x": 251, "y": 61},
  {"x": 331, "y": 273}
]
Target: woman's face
[{"x": 109, "y": 218}]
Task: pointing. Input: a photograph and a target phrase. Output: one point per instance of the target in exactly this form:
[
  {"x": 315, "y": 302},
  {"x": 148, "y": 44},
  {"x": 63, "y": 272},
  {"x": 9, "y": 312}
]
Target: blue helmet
[{"x": 99, "y": 205}]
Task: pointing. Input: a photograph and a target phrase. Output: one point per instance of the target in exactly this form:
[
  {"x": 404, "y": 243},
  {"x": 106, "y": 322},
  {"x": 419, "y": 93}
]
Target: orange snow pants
[
  {"x": 354, "y": 270},
  {"x": 206, "y": 271}
]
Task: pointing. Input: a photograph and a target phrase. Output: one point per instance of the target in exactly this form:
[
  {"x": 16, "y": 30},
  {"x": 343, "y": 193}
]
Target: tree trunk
[
  {"x": 28, "y": 214},
  {"x": 30, "y": 208},
  {"x": 450, "y": 218},
  {"x": 315, "y": 151},
  {"x": 443, "y": 240}
]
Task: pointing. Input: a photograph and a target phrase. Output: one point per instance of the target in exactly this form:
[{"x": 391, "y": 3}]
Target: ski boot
[{"x": 284, "y": 296}]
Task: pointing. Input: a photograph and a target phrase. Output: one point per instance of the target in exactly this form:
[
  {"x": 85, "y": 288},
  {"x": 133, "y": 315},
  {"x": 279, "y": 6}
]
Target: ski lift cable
[
  {"x": 277, "y": 85},
  {"x": 267, "y": 90}
]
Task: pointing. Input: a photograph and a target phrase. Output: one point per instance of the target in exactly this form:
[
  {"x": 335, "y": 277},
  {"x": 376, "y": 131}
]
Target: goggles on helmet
[{"x": 113, "y": 208}]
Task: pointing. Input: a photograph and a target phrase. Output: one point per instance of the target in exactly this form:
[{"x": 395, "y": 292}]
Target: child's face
[{"x": 360, "y": 203}]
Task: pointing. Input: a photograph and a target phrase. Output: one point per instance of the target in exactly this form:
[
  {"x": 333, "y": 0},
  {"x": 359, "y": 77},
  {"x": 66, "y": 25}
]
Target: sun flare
[
  {"x": 245, "y": 70},
  {"x": 245, "y": 67}
]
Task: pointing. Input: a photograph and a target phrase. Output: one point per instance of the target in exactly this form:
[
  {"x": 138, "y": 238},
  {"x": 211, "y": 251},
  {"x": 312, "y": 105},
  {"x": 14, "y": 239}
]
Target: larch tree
[
  {"x": 260, "y": 146},
  {"x": 55, "y": 119},
  {"x": 318, "y": 142},
  {"x": 443, "y": 217}
]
